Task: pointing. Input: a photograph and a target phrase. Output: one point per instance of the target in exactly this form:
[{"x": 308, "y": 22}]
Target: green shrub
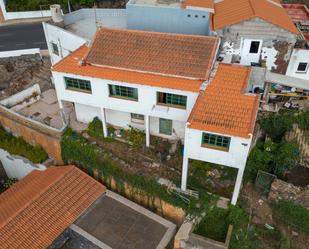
[
  {"x": 18, "y": 146},
  {"x": 9, "y": 182},
  {"x": 214, "y": 225},
  {"x": 28, "y": 5},
  {"x": 95, "y": 128},
  {"x": 276, "y": 125},
  {"x": 136, "y": 137},
  {"x": 303, "y": 120},
  {"x": 292, "y": 214},
  {"x": 274, "y": 158}
]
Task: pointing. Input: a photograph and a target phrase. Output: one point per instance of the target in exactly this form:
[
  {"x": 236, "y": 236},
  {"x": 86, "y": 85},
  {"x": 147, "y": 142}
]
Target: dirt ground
[{"x": 262, "y": 213}]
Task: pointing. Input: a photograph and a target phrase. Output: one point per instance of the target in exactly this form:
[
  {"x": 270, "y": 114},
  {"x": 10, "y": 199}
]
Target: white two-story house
[
  {"x": 221, "y": 124},
  {"x": 147, "y": 80}
]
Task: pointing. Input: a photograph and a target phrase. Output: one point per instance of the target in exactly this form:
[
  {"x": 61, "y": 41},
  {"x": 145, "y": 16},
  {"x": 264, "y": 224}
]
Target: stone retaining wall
[
  {"x": 164, "y": 209},
  {"x": 281, "y": 190}
]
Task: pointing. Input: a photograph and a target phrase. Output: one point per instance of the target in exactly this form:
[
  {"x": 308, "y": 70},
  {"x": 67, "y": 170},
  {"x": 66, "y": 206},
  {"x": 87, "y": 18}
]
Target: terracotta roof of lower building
[
  {"x": 297, "y": 12},
  {"x": 229, "y": 12},
  {"x": 71, "y": 64},
  {"x": 37, "y": 209},
  {"x": 224, "y": 107},
  {"x": 180, "y": 55}
]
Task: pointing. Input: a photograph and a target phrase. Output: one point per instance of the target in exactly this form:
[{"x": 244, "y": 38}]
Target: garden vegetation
[{"x": 18, "y": 146}]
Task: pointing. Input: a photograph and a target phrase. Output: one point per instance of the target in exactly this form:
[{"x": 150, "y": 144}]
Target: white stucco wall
[
  {"x": 23, "y": 14},
  {"x": 236, "y": 157},
  {"x": 298, "y": 55},
  {"x": 66, "y": 41},
  {"x": 16, "y": 166},
  {"x": 88, "y": 105}
]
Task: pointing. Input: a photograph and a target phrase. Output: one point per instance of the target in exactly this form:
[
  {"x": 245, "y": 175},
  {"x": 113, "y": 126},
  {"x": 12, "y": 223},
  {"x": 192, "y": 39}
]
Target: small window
[
  {"x": 204, "y": 16},
  {"x": 189, "y": 15},
  {"x": 55, "y": 49},
  {"x": 137, "y": 118},
  {"x": 196, "y": 16},
  {"x": 77, "y": 84},
  {"x": 254, "y": 48},
  {"x": 302, "y": 67},
  {"x": 123, "y": 92},
  {"x": 173, "y": 100},
  {"x": 165, "y": 126},
  {"x": 216, "y": 141}
]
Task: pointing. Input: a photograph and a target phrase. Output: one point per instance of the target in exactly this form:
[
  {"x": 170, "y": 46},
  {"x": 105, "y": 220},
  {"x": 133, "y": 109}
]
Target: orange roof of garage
[
  {"x": 229, "y": 12},
  {"x": 72, "y": 65},
  {"x": 37, "y": 209},
  {"x": 224, "y": 107}
]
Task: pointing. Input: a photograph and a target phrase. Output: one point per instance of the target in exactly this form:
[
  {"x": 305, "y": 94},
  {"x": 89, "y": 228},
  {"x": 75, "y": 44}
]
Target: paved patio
[{"x": 120, "y": 223}]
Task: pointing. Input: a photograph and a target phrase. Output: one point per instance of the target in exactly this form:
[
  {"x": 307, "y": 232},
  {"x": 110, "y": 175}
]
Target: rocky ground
[{"x": 18, "y": 73}]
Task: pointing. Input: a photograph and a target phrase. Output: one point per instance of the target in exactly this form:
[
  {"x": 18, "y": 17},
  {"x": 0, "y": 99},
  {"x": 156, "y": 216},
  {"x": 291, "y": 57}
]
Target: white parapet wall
[
  {"x": 15, "y": 53},
  {"x": 16, "y": 166},
  {"x": 20, "y": 97},
  {"x": 23, "y": 14}
]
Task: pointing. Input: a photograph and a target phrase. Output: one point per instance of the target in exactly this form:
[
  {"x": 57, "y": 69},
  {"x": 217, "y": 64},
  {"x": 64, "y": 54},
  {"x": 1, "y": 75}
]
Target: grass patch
[
  {"x": 18, "y": 146},
  {"x": 292, "y": 214},
  {"x": 214, "y": 225}
]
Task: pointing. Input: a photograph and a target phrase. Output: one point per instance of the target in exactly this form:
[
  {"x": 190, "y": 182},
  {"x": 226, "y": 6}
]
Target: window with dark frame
[
  {"x": 137, "y": 118},
  {"x": 55, "y": 48},
  {"x": 165, "y": 126},
  {"x": 77, "y": 84},
  {"x": 123, "y": 92},
  {"x": 216, "y": 141},
  {"x": 254, "y": 47},
  {"x": 302, "y": 67},
  {"x": 173, "y": 100}
]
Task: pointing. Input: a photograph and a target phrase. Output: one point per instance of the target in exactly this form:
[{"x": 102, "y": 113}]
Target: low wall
[
  {"x": 185, "y": 238},
  {"x": 23, "y": 14},
  {"x": 16, "y": 166},
  {"x": 15, "y": 53},
  {"x": 166, "y": 210},
  {"x": 33, "y": 132},
  {"x": 21, "y": 96},
  {"x": 281, "y": 190}
]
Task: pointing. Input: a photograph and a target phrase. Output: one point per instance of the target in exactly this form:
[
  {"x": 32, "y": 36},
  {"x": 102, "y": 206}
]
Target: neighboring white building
[
  {"x": 221, "y": 124},
  {"x": 255, "y": 32},
  {"x": 299, "y": 64},
  {"x": 143, "y": 79}
]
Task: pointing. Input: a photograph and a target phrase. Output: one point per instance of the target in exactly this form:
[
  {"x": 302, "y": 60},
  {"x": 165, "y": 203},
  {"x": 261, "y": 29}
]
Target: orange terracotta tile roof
[
  {"x": 223, "y": 107},
  {"x": 71, "y": 64},
  {"x": 37, "y": 209},
  {"x": 229, "y": 12},
  {"x": 203, "y": 4},
  {"x": 188, "y": 56}
]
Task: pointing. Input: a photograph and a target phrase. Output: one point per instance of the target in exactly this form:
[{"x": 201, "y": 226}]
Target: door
[
  {"x": 165, "y": 126},
  {"x": 250, "y": 51}
]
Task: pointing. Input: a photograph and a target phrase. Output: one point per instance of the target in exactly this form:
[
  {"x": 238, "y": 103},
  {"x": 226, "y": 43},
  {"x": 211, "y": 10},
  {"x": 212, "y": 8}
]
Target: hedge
[{"x": 18, "y": 146}]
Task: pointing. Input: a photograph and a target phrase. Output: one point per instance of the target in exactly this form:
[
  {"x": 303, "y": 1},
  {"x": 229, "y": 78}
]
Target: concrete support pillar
[
  {"x": 147, "y": 130},
  {"x": 237, "y": 186},
  {"x": 103, "y": 117},
  {"x": 60, "y": 104},
  {"x": 184, "y": 173}
]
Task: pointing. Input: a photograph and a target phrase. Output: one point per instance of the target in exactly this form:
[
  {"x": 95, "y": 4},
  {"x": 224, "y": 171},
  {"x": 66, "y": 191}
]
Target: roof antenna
[{"x": 95, "y": 14}]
